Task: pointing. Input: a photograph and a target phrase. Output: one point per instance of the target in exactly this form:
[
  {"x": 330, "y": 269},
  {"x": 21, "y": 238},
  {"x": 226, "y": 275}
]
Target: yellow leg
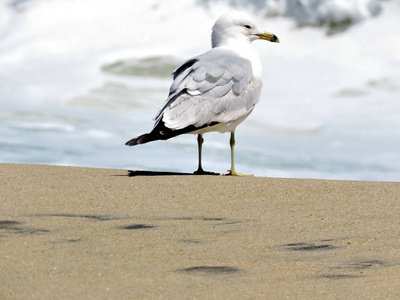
[{"x": 232, "y": 171}]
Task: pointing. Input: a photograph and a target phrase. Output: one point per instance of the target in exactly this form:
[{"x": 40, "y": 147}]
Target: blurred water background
[{"x": 80, "y": 78}]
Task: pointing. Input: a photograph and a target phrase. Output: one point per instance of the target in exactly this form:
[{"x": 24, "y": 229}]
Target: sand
[{"x": 81, "y": 233}]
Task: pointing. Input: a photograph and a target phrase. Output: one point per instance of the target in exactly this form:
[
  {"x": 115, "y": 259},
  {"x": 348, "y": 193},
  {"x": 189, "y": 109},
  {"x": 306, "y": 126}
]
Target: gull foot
[
  {"x": 202, "y": 172},
  {"x": 234, "y": 173}
]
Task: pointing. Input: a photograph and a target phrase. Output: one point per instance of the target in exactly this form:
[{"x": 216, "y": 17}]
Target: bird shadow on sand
[{"x": 133, "y": 173}]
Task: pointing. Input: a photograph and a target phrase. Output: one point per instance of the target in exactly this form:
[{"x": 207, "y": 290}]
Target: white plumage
[{"x": 214, "y": 91}]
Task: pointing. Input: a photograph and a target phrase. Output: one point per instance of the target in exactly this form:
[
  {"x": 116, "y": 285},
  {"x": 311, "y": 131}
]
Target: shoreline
[{"x": 99, "y": 233}]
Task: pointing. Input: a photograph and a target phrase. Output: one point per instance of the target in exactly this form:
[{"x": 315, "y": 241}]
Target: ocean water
[{"x": 80, "y": 78}]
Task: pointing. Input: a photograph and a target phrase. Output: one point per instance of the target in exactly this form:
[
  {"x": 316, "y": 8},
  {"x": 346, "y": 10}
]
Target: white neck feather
[{"x": 247, "y": 51}]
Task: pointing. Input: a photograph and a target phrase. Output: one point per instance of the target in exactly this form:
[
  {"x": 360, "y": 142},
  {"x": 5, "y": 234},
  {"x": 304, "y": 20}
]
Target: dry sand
[{"x": 80, "y": 233}]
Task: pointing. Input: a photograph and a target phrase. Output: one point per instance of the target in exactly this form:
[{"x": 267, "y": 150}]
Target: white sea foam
[{"x": 329, "y": 106}]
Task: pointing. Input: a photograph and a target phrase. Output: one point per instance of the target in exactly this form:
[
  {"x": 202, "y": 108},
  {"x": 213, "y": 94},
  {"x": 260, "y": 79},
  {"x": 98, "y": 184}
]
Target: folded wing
[{"x": 216, "y": 87}]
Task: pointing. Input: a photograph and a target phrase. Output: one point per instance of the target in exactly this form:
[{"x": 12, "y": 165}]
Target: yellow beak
[{"x": 269, "y": 37}]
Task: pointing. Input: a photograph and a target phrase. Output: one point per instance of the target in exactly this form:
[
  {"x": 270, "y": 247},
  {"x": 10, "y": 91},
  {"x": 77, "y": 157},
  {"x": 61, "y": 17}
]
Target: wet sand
[{"x": 80, "y": 233}]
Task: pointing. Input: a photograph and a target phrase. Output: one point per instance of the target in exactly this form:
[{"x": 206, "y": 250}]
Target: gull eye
[{"x": 247, "y": 26}]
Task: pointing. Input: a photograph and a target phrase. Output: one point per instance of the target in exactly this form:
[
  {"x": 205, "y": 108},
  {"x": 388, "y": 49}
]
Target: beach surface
[{"x": 81, "y": 233}]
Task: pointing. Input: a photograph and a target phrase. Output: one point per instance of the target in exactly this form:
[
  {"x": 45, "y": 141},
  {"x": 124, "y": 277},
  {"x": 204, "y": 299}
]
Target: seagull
[{"x": 214, "y": 91}]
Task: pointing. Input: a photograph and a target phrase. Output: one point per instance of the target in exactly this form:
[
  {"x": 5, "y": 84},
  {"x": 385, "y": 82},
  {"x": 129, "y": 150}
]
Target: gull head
[{"x": 237, "y": 26}]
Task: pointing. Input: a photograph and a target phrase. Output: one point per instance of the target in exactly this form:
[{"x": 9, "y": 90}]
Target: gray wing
[{"x": 216, "y": 87}]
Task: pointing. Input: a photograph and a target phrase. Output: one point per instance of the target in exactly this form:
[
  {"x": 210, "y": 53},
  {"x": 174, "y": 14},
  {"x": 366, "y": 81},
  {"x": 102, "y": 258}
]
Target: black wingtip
[
  {"x": 142, "y": 139},
  {"x": 161, "y": 132},
  {"x": 131, "y": 142}
]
